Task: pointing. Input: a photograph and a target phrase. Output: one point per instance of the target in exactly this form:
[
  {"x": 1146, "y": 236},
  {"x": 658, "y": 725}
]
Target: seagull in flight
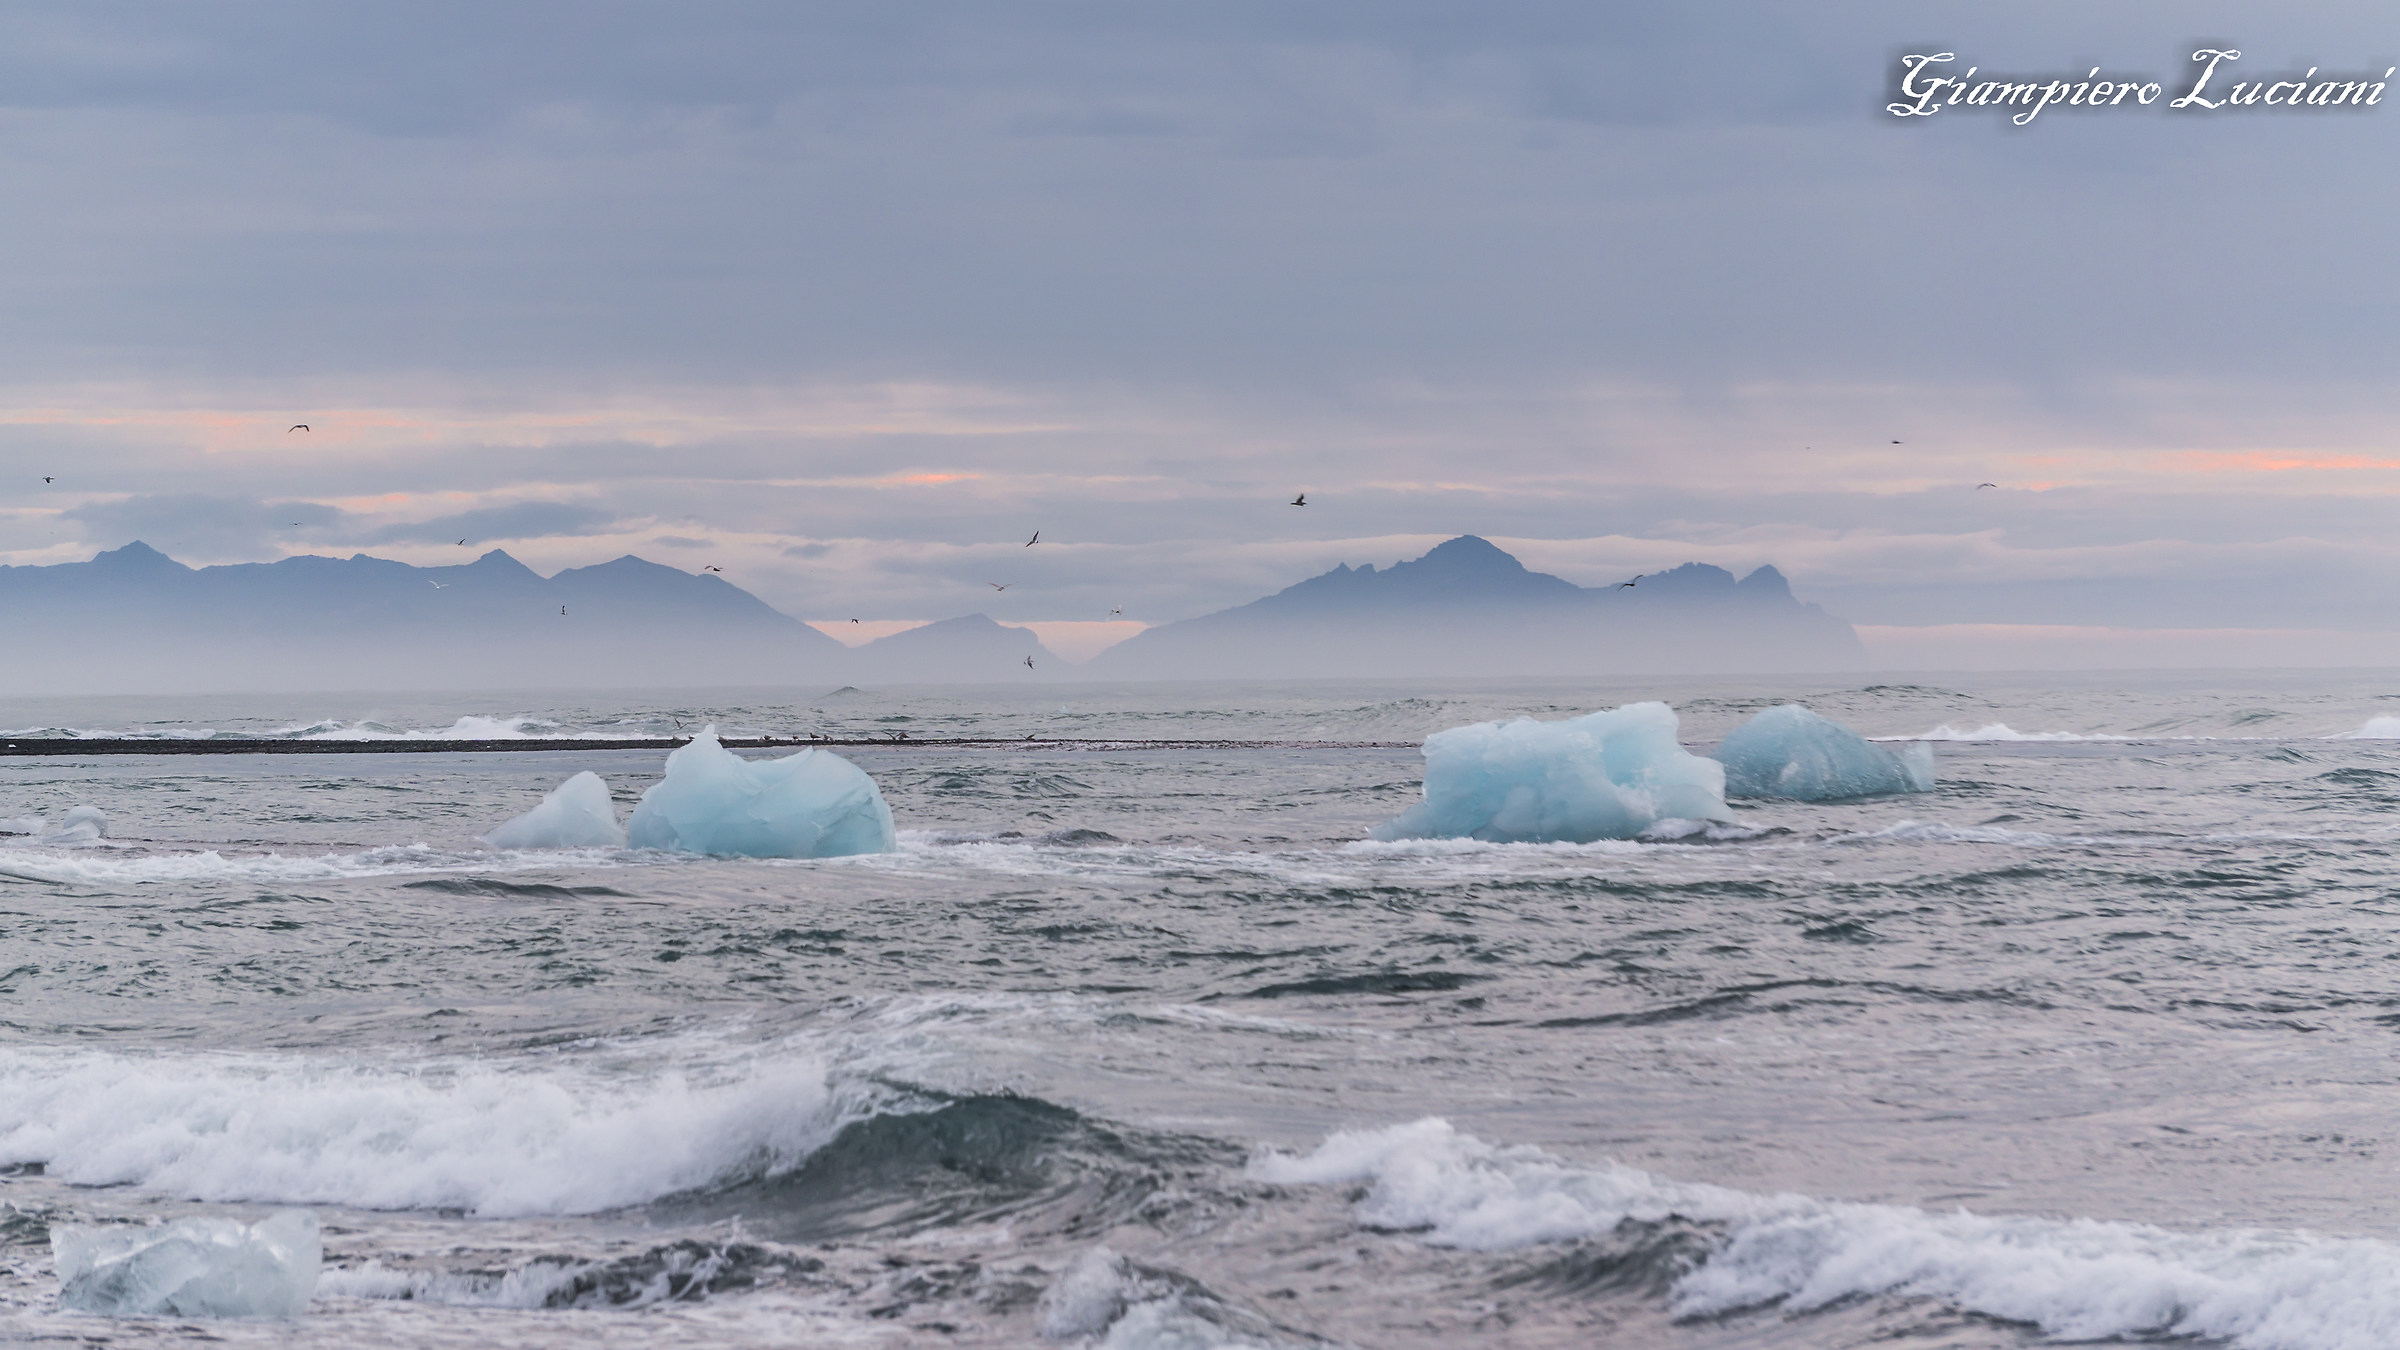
[
  {"x": 1029, "y": 663},
  {"x": 439, "y": 585},
  {"x": 854, "y": 621},
  {"x": 1037, "y": 538},
  {"x": 1301, "y": 500},
  {"x": 462, "y": 543},
  {"x": 1981, "y": 486},
  {"x": 299, "y": 426},
  {"x": 1117, "y": 612},
  {"x": 562, "y": 611},
  {"x": 712, "y": 567},
  {"x": 1628, "y": 585},
  {"x": 999, "y": 586},
  {"x": 1895, "y": 442},
  {"x": 48, "y": 479}
]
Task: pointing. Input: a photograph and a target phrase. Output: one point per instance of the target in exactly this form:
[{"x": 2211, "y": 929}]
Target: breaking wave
[
  {"x": 2076, "y": 1279},
  {"x": 468, "y": 728},
  {"x": 488, "y": 1137},
  {"x": 2000, "y": 731}
]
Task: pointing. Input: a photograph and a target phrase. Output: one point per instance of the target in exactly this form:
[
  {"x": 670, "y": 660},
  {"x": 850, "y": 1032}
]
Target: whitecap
[
  {"x": 2000, "y": 731},
  {"x": 489, "y": 1136},
  {"x": 2076, "y": 1279}
]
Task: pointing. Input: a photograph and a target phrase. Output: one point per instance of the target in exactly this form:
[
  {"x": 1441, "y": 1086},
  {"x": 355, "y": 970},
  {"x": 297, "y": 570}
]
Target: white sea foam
[
  {"x": 464, "y": 729},
  {"x": 494, "y": 1137},
  {"x": 2384, "y": 728},
  {"x": 468, "y": 728},
  {"x": 1936, "y": 832},
  {"x": 86, "y": 868},
  {"x": 2000, "y": 731},
  {"x": 2077, "y": 1279}
]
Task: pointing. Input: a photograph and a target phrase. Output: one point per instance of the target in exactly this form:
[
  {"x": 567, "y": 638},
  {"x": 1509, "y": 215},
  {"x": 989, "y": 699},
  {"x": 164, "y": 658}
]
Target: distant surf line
[{"x": 33, "y": 746}]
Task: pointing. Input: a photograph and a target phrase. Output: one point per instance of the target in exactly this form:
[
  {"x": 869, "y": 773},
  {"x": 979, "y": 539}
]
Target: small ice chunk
[
  {"x": 1605, "y": 775},
  {"x": 814, "y": 804},
  {"x": 1791, "y": 752},
  {"x": 192, "y": 1267},
  {"x": 82, "y": 825},
  {"x": 577, "y": 814},
  {"x": 1087, "y": 1296}
]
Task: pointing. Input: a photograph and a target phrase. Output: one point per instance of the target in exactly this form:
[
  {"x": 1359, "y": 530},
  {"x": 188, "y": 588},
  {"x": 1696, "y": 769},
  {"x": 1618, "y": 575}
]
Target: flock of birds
[{"x": 1300, "y": 499}]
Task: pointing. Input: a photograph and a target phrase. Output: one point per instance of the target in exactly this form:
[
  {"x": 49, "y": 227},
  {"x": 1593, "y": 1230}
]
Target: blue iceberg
[
  {"x": 577, "y": 814},
  {"x": 1791, "y": 752},
  {"x": 1605, "y": 775},
  {"x": 190, "y": 1268},
  {"x": 814, "y": 804}
]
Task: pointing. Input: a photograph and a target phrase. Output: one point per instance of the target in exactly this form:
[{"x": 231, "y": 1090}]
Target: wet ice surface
[
  {"x": 1021, "y": 1072},
  {"x": 1789, "y": 752},
  {"x": 189, "y": 1267}
]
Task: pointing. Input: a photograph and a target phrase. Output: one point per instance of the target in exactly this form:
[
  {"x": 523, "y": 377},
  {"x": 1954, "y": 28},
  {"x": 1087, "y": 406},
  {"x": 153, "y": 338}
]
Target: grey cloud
[
  {"x": 526, "y": 520},
  {"x": 196, "y": 526},
  {"x": 1245, "y": 231}
]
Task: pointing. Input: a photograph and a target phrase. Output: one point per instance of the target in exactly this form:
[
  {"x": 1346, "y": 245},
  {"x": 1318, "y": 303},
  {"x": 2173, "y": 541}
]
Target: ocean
[{"x": 1134, "y": 1046}]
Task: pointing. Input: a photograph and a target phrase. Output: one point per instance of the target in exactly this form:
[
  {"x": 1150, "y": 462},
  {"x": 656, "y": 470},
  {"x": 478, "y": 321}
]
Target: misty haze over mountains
[{"x": 134, "y": 620}]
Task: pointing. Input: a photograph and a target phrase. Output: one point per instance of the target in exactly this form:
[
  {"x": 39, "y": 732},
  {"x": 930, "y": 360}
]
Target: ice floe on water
[
  {"x": 1605, "y": 775},
  {"x": 1793, "y": 753},
  {"x": 2076, "y": 1279},
  {"x": 190, "y": 1267},
  {"x": 814, "y": 804},
  {"x": 576, "y": 814}
]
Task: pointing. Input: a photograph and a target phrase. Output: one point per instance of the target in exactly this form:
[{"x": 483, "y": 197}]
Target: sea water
[{"x": 1143, "y": 1046}]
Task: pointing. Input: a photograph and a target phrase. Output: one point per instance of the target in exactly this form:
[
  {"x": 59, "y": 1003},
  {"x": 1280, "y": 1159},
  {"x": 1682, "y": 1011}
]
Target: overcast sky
[{"x": 849, "y": 299}]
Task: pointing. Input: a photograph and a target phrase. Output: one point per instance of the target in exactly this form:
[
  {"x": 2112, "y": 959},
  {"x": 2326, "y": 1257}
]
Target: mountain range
[
  {"x": 134, "y": 620},
  {"x": 1469, "y": 608}
]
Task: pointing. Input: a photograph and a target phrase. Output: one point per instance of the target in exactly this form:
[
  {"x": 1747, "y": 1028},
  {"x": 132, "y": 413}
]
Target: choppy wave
[
  {"x": 2376, "y": 729},
  {"x": 2001, "y": 731},
  {"x": 491, "y": 1137},
  {"x": 2077, "y": 1279},
  {"x": 87, "y": 867}
]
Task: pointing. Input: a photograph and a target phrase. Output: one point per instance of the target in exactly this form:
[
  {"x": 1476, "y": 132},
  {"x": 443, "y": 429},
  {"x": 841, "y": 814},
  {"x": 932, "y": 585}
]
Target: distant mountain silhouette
[
  {"x": 1469, "y": 608},
  {"x": 133, "y": 619},
  {"x": 971, "y": 649}
]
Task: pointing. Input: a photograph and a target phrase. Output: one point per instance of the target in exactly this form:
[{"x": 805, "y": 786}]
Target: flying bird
[
  {"x": 439, "y": 585},
  {"x": 1981, "y": 486},
  {"x": 1628, "y": 585},
  {"x": 854, "y": 621},
  {"x": 999, "y": 586},
  {"x": 1037, "y": 538},
  {"x": 712, "y": 567},
  {"x": 299, "y": 426},
  {"x": 462, "y": 543},
  {"x": 1029, "y": 663},
  {"x": 47, "y": 479},
  {"x": 1301, "y": 500},
  {"x": 1119, "y": 610},
  {"x": 562, "y": 611},
  {"x": 1895, "y": 442}
]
